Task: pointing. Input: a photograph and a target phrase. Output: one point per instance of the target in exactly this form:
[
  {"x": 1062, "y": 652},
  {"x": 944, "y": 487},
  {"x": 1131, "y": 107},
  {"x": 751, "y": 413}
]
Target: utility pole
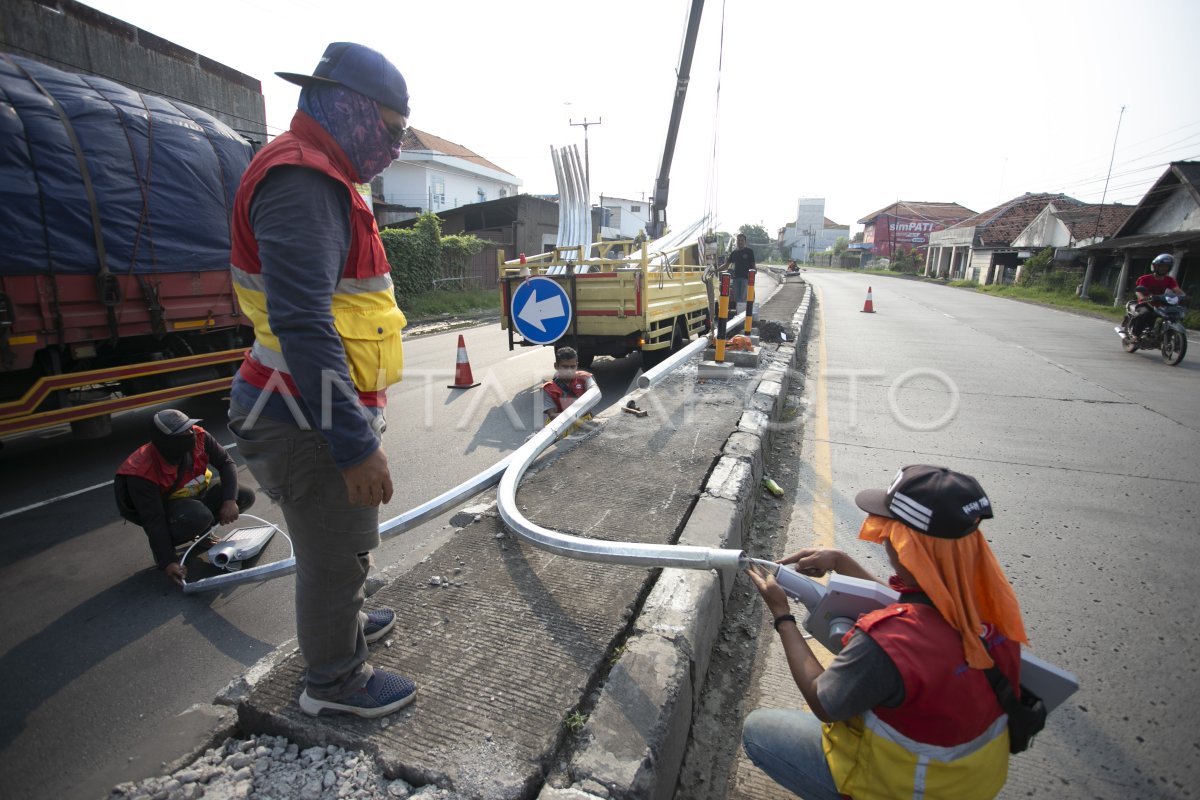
[
  {"x": 587, "y": 166},
  {"x": 1091, "y": 262}
]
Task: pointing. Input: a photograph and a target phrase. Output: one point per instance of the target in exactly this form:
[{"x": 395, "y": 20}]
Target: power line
[
  {"x": 1071, "y": 169},
  {"x": 1096, "y": 178},
  {"x": 1126, "y": 173}
]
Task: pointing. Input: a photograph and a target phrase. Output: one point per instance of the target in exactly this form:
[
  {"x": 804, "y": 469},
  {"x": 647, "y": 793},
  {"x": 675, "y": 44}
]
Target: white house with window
[
  {"x": 625, "y": 218},
  {"x": 433, "y": 174}
]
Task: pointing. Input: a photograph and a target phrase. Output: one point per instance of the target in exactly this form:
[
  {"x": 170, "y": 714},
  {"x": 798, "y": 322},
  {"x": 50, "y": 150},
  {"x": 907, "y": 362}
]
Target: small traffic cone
[
  {"x": 462, "y": 368},
  {"x": 868, "y": 307}
]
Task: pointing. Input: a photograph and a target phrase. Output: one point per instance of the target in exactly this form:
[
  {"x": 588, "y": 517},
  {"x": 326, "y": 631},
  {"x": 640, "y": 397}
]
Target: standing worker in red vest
[
  {"x": 307, "y": 404},
  {"x": 907, "y": 707},
  {"x": 167, "y": 487}
]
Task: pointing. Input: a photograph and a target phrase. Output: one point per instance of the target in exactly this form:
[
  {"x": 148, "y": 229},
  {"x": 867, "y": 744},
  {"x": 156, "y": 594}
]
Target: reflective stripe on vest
[
  {"x": 948, "y": 738},
  {"x": 933, "y": 752},
  {"x": 363, "y": 306},
  {"x": 869, "y": 760}
]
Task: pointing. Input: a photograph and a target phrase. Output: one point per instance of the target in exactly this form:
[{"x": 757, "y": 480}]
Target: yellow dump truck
[{"x": 623, "y": 298}]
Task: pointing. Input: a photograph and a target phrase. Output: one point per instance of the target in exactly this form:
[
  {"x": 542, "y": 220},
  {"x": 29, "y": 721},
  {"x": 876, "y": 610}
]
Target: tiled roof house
[
  {"x": 1166, "y": 220},
  {"x": 980, "y": 248},
  {"x": 1072, "y": 226}
]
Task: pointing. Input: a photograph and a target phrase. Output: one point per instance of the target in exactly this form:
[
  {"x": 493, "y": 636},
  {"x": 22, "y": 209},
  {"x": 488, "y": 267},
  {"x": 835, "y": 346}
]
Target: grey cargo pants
[{"x": 332, "y": 538}]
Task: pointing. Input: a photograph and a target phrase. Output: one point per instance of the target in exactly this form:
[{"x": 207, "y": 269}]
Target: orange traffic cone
[
  {"x": 462, "y": 369},
  {"x": 868, "y": 307}
]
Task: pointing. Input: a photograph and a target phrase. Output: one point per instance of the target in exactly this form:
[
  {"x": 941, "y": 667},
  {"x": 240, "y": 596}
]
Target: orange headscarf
[{"x": 961, "y": 577}]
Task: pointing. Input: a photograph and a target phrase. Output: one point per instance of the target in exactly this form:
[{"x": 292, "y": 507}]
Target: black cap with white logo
[{"x": 933, "y": 500}]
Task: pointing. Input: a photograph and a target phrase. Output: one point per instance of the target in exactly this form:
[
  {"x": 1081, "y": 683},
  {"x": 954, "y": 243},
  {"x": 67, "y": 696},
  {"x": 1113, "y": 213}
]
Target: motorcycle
[{"x": 1165, "y": 334}]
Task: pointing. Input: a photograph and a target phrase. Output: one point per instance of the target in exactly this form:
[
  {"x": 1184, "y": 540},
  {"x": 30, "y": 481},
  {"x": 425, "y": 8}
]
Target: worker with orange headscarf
[{"x": 905, "y": 709}]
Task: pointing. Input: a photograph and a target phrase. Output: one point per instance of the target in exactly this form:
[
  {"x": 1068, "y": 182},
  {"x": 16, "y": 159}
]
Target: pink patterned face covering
[{"x": 354, "y": 122}]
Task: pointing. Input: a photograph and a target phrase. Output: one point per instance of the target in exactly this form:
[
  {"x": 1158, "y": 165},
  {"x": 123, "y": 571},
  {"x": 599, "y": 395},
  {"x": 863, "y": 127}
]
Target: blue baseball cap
[{"x": 360, "y": 68}]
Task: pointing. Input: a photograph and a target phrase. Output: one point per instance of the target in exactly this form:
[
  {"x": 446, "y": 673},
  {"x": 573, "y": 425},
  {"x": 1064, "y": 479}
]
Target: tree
[
  {"x": 840, "y": 246},
  {"x": 757, "y": 240},
  {"x": 420, "y": 255}
]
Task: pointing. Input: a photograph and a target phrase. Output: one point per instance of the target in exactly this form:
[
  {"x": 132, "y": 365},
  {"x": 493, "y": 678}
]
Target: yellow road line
[{"x": 822, "y": 460}]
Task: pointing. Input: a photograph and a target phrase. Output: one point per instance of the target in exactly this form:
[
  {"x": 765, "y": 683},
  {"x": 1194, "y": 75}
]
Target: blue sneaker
[
  {"x": 378, "y": 623},
  {"x": 384, "y": 693}
]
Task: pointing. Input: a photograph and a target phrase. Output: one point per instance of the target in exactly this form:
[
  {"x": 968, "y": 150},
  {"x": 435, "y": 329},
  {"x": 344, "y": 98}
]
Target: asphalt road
[
  {"x": 99, "y": 653},
  {"x": 1091, "y": 458}
]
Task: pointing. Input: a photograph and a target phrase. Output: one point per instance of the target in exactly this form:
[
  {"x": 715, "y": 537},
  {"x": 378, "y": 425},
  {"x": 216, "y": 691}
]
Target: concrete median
[{"x": 543, "y": 676}]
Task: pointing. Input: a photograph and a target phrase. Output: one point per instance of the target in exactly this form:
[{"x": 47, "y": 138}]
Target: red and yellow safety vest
[
  {"x": 575, "y": 389},
  {"x": 948, "y": 739},
  {"x": 363, "y": 305},
  {"x": 146, "y": 462}
]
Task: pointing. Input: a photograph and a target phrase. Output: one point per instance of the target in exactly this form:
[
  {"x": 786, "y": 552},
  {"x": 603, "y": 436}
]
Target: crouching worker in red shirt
[
  {"x": 167, "y": 487},
  {"x": 568, "y": 385},
  {"x": 906, "y": 709}
]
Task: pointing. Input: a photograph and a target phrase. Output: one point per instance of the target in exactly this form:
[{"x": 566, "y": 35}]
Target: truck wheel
[
  {"x": 92, "y": 427},
  {"x": 679, "y": 336},
  {"x": 652, "y": 358}
]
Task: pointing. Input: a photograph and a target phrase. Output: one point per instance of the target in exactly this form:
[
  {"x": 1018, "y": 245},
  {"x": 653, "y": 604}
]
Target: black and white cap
[
  {"x": 933, "y": 500},
  {"x": 173, "y": 423}
]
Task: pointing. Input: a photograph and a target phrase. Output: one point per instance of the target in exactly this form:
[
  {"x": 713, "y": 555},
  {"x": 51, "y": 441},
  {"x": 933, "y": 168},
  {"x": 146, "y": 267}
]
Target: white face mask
[{"x": 565, "y": 373}]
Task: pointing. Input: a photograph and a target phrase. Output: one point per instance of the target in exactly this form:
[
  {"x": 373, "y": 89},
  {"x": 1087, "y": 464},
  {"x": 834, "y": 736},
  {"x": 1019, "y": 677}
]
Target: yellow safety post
[
  {"x": 722, "y": 315},
  {"x": 750, "y": 300}
]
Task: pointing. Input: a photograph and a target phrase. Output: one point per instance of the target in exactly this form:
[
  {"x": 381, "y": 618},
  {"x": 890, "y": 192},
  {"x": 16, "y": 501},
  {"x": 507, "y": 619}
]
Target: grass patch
[
  {"x": 449, "y": 301},
  {"x": 1044, "y": 297},
  {"x": 893, "y": 273},
  {"x": 616, "y": 656},
  {"x": 890, "y": 273},
  {"x": 575, "y": 721},
  {"x": 1099, "y": 305}
]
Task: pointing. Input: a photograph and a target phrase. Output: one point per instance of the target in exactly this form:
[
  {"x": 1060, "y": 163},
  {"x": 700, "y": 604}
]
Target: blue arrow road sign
[{"x": 541, "y": 310}]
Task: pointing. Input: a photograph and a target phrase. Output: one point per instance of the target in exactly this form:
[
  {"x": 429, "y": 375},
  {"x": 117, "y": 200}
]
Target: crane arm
[{"x": 662, "y": 184}]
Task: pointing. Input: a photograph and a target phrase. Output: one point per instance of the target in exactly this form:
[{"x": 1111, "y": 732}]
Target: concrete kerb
[
  {"x": 204, "y": 726},
  {"x": 636, "y": 750},
  {"x": 634, "y": 741}
]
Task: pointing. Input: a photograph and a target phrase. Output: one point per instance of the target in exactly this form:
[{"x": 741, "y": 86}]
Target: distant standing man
[
  {"x": 742, "y": 260},
  {"x": 167, "y": 487},
  {"x": 307, "y": 405}
]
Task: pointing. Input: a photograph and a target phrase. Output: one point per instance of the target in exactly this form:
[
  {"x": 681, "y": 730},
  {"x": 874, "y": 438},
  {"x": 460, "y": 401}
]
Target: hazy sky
[{"x": 861, "y": 103}]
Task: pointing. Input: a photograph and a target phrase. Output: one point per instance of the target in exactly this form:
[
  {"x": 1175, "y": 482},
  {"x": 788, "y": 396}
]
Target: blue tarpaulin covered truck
[{"x": 115, "y": 289}]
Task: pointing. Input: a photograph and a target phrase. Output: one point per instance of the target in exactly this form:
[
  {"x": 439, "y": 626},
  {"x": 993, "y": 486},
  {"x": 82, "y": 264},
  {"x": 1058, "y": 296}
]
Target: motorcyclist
[{"x": 1156, "y": 282}]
